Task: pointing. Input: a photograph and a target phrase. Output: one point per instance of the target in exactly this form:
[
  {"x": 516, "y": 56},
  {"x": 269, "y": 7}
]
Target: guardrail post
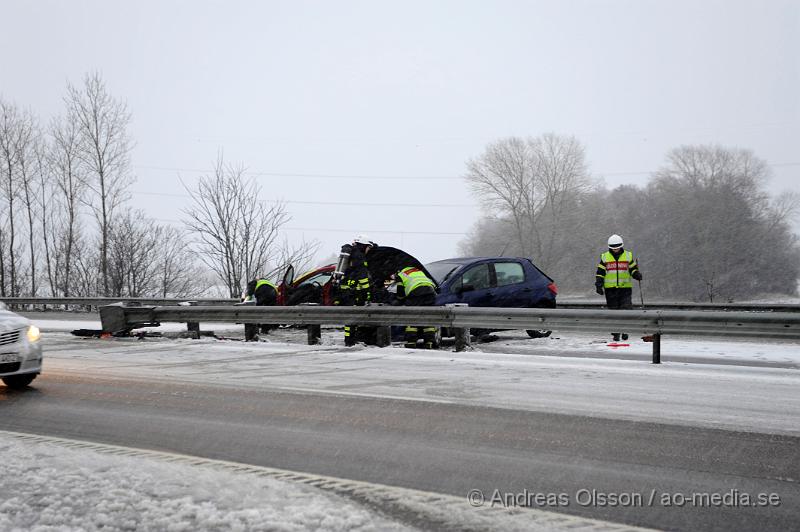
[
  {"x": 461, "y": 334},
  {"x": 192, "y": 327},
  {"x": 383, "y": 336},
  {"x": 657, "y": 348},
  {"x": 250, "y": 332},
  {"x": 462, "y": 338},
  {"x": 314, "y": 334}
]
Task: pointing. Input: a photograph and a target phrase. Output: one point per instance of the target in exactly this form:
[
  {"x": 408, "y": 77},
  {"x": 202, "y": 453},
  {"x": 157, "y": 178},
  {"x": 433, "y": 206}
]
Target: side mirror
[{"x": 467, "y": 288}]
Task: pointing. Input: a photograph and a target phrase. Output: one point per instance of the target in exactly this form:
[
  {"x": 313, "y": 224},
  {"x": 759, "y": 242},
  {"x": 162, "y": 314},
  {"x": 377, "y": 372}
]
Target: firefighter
[
  {"x": 414, "y": 288},
  {"x": 354, "y": 287},
  {"x": 264, "y": 293},
  {"x": 614, "y": 273}
]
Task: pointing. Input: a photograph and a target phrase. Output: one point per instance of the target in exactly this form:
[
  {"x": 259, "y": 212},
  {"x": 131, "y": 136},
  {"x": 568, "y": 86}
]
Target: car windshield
[{"x": 441, "y": 270}]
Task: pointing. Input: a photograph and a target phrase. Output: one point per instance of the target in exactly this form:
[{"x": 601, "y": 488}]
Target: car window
[
  {"x": 441, "y": 270},
  {"x": 320, "y": 278},
  {"x": 477, "y": 277},
  {"x": 508, "y": 273}
]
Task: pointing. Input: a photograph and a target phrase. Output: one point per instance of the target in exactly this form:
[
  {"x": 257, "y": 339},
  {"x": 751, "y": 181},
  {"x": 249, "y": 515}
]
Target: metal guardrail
[
  {"x": 777, "y": 325},
  {"x": 748, "y": 307},
  {"x": 562, "y": 304}
]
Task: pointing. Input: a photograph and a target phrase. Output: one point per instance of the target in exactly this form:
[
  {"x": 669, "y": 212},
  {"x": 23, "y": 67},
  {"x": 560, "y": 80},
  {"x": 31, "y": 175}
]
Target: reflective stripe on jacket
[
  {"x": 262, "y": 282},
  {"x": 413, "y": 278},
  {"x": 617, "y": 270}
]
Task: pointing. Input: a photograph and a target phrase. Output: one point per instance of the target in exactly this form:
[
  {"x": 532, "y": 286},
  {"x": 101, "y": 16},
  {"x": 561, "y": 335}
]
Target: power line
[
  {"x": 377, "y": 177},
  {"x": 349, "y": 231},
  {"x": 340, "y": 203},
  {"x": 284, "y": 174}
]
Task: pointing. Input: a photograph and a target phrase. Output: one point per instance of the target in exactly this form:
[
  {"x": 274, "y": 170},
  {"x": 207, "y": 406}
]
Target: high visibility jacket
[
  {"x": 262, "y": 282},
  {"x": 354, "y": 289},
  {"x": 616, "y": 271},
  {"x": 250, "y": 293},
  {"x": 413, "y": 278}
]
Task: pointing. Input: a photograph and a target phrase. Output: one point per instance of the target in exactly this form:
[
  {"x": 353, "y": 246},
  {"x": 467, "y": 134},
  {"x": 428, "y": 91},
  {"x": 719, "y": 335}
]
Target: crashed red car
[{"x": 313, "y": 286}]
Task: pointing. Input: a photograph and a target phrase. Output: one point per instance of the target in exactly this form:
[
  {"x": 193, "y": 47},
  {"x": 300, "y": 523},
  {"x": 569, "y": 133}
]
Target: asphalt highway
[{"x": 647, "y": 474}]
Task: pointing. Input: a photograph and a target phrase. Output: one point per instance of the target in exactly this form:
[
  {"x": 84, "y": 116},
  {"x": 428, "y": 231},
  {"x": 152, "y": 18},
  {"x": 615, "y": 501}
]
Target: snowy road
[{"x": 550, "y": 420}]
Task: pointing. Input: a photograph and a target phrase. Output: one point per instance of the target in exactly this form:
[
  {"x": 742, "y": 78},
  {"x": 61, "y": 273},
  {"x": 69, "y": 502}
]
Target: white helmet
[
  {"x": 363, "y": 239},
  {"x": 615, "y": 241}
]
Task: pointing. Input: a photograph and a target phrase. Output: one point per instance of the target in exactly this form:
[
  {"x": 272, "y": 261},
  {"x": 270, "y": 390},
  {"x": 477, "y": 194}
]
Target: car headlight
[{"x": 33, "y": 333}]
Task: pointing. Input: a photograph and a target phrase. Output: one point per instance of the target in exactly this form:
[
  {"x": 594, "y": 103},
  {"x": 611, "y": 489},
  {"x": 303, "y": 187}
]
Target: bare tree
[
  {"x": 45, "y": 194},
  {"x": 131, "y": 246},
  {"x": 179, "y": 274},
  {"x": 28, "y": 144},
  {"x": 104, "y": 153},
  {"x": 299, "y": 256},
  {"x": 66, "y": 169},
  {"x": 713, "y": 223},
  {"x": 236, "y": 232},
  {"x": 10, "y": 120},
  {"x": 531, "y": 185}
]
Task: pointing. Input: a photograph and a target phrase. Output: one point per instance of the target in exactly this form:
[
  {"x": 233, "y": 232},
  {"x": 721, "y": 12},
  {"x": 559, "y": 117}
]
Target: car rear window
[{"x": 509, "y": 273}]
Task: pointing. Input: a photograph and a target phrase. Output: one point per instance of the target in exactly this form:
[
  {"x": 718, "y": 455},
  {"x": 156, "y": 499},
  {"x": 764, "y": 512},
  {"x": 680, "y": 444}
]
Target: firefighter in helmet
[
  {"x": 614, "y": 273},
  {"x": 414, "y": 288},
  {"x": 354, "y": 284}
]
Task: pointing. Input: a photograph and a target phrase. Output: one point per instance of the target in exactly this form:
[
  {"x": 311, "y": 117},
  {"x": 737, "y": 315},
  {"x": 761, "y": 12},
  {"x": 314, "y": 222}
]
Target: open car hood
[{"x": 383, "y": 261}]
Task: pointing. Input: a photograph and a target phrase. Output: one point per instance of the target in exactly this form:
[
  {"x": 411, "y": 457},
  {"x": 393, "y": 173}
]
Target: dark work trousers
[
  {"x": 619, "y": 299},
  {"x": 266, "y": 296},
  {"x": 423, "y": 296}
]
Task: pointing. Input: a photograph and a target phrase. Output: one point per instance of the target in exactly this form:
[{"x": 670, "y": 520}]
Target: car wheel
[
  {"x": 19, "y": 381},
  {"x": 538, "y": 333}
]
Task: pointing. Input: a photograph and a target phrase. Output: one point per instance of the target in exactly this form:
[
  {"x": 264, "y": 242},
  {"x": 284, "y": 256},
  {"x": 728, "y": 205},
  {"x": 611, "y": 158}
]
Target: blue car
[{"x": 494, "y": 282}]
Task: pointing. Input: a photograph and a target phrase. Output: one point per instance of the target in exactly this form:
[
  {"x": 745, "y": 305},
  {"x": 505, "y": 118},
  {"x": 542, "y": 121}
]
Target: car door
[
  {"x": 511, "y": 288},
  {"x": 312, "y": 289},
  {"x": 474, "y": 286}
]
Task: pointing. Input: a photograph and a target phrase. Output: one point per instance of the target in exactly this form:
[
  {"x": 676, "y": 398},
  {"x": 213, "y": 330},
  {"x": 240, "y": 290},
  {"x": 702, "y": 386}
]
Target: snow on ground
[
  {"x": 517, "y": 342},
  {"x": 734, "y": 385},
  {"x": 53, "y": 484},
  {"x": 48, "y": 487}
]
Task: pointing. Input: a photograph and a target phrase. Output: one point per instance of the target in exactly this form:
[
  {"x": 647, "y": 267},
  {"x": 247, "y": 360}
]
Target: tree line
[
  {"x": 67, "y": 227},
  {"x": 703, "y": 226}
]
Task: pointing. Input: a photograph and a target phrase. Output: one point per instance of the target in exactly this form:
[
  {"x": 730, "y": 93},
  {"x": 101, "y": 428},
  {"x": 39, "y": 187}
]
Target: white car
[{"x": 20, "y": 349}]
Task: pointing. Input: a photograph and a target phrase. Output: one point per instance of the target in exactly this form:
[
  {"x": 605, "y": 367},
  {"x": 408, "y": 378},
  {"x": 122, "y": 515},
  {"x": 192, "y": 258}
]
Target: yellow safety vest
[
  {"x": 413, "y": 278},
  {"x": 618, "y": 270},
  {"x": 262, "y": 282}
]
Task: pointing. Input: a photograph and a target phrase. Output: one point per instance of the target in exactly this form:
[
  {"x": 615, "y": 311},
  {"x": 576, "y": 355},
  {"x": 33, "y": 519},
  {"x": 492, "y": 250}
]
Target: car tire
[
  {"x": 17, "y": 382},
  {"x": 533, "y": 333}
]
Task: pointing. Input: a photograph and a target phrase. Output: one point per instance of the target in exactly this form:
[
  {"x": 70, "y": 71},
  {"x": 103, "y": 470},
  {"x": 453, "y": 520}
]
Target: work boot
[
  {"x": 411, "y": 337},
  {"x": 615, "y": 337},
  {"x": 624, "y": 336}
]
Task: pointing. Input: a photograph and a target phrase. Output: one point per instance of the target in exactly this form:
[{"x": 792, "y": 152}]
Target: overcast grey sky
[{"x": 303, "y": 91}]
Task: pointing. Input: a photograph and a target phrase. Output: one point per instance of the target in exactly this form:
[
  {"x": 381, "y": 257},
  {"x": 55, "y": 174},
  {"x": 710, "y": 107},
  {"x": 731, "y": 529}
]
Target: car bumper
[{"x": 29, "y": 359}]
